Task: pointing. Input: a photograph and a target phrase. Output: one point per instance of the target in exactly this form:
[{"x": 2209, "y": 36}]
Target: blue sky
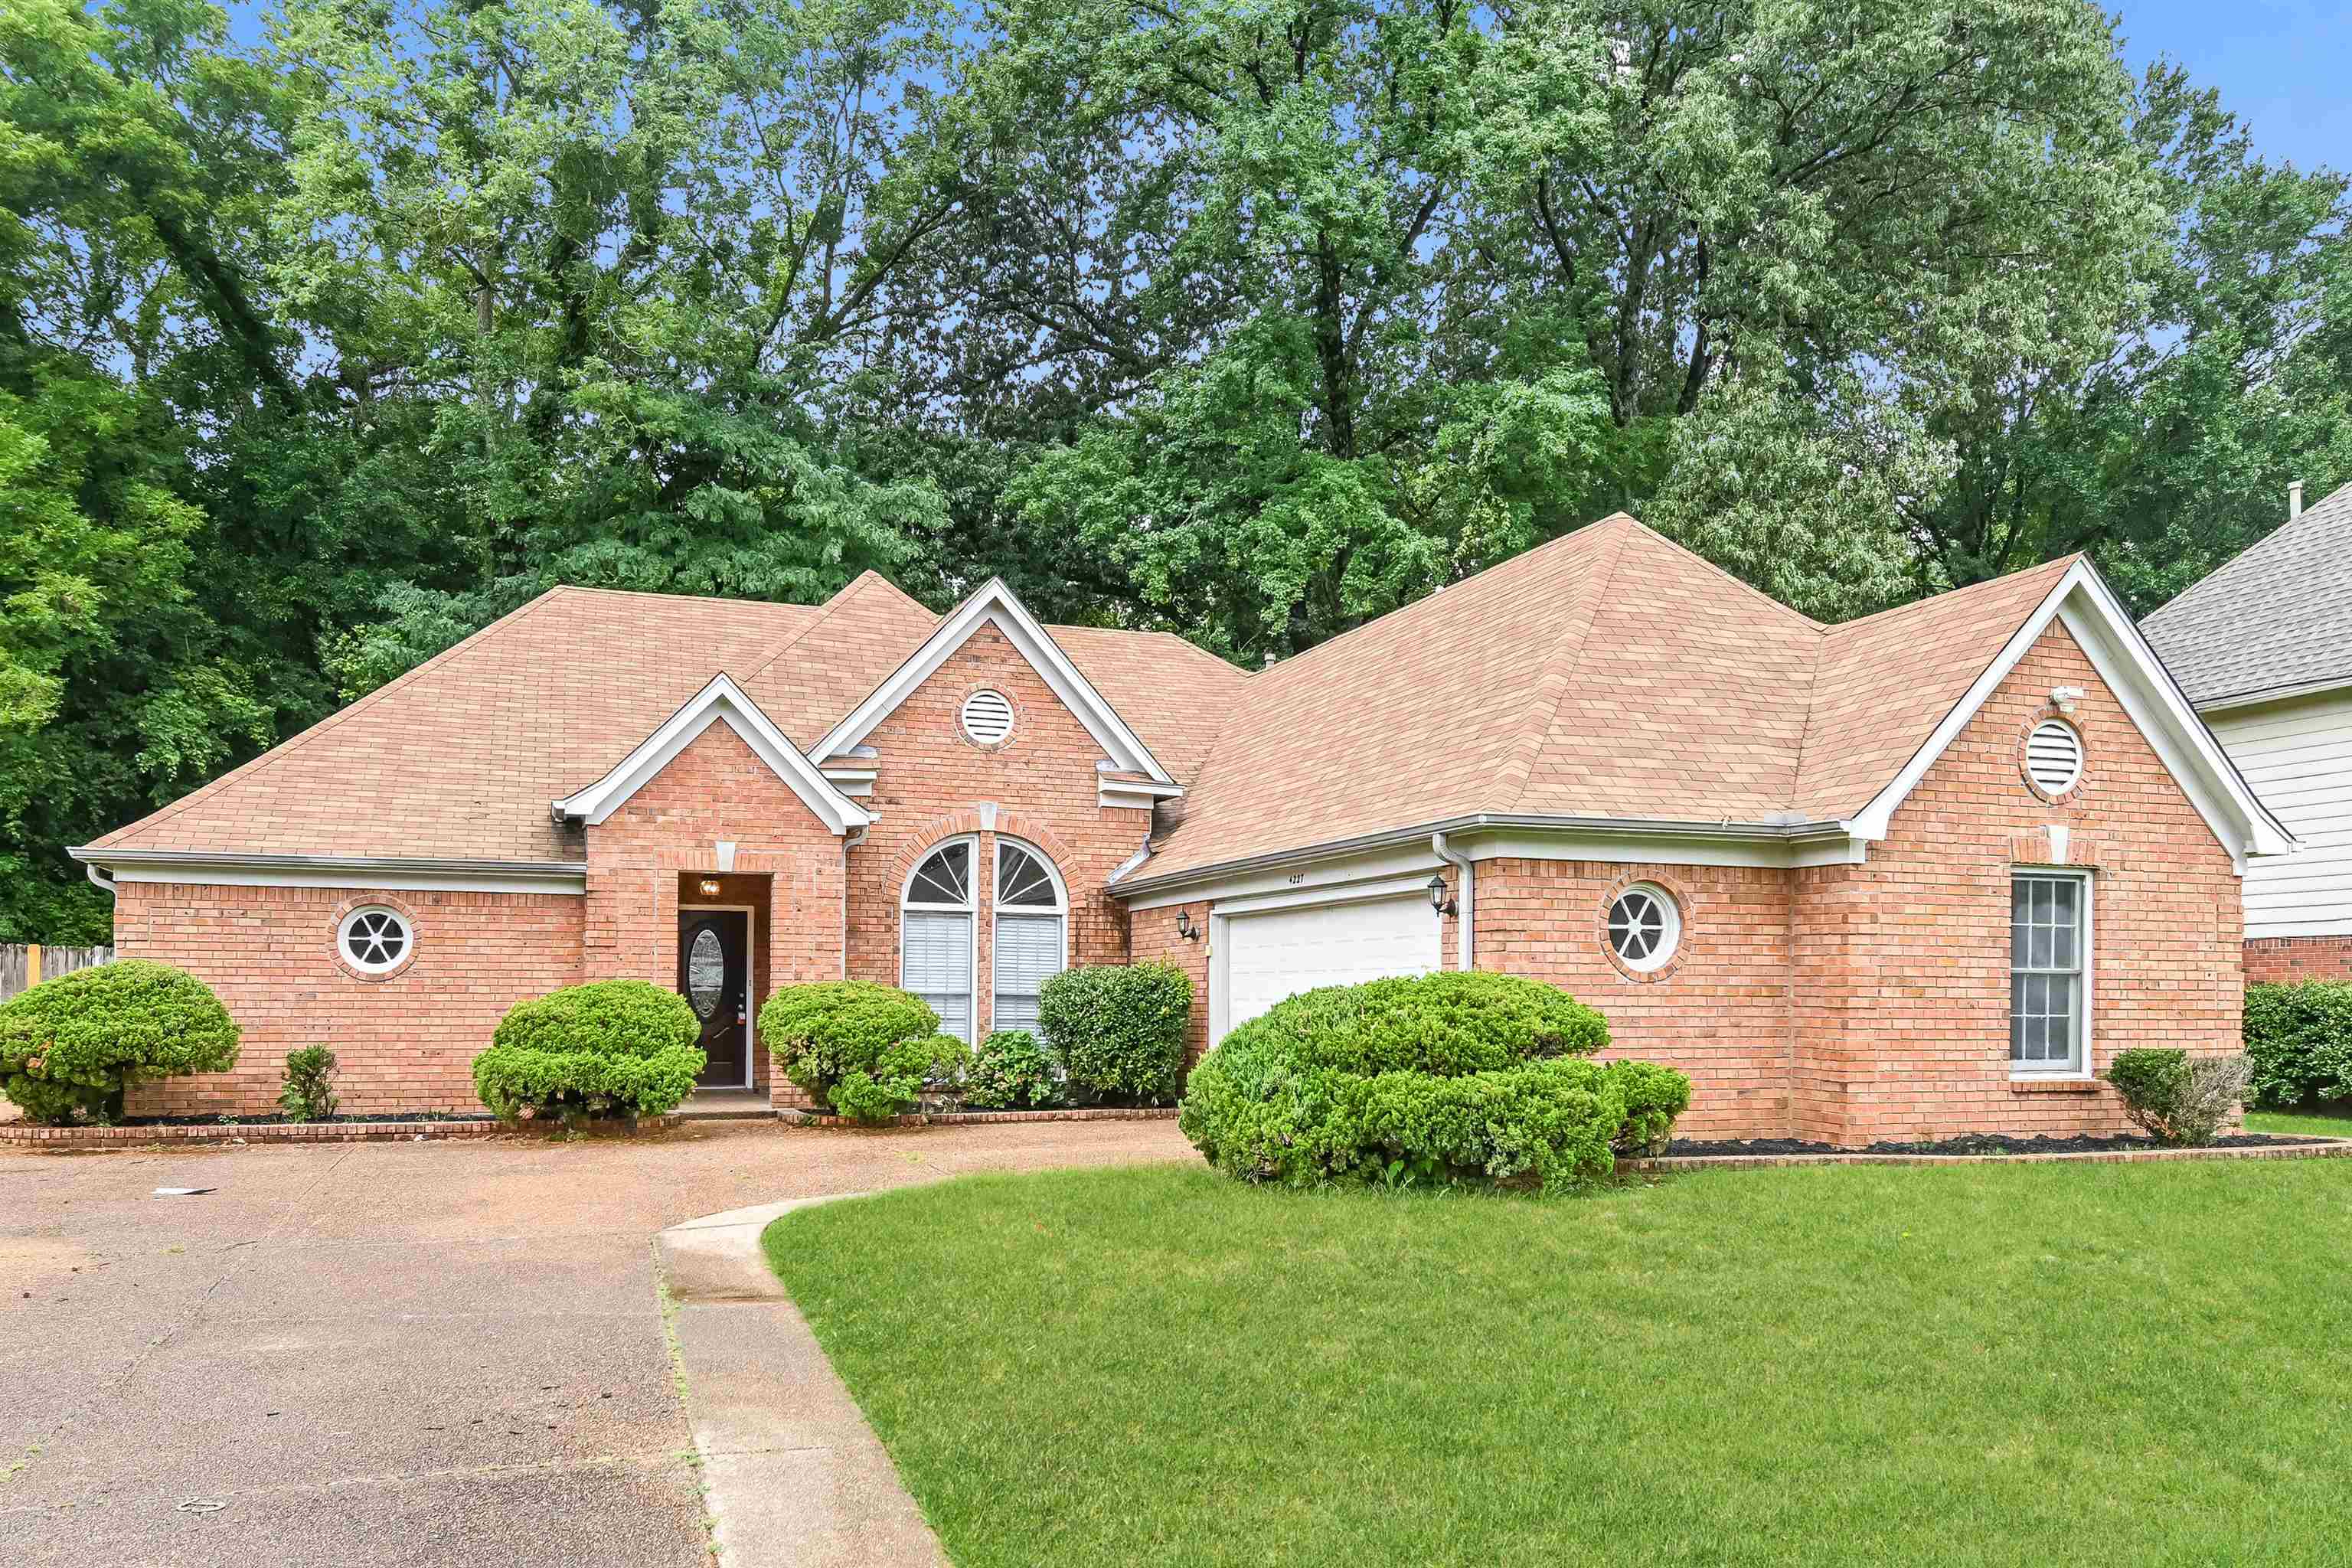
[{"x": 2283, "y": 68}]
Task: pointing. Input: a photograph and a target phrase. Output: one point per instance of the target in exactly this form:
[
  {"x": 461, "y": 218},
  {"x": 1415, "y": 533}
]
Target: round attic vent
[
  {"x": 2054, "y": 756},
  {"x": 987, "y": 717}
]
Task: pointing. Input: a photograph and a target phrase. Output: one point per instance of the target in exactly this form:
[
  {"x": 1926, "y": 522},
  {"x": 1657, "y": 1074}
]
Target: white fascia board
[
  {"x": 397, "y": 874},
  {"x": 1141, "y": 796},
  {"x": 1491, "y": 837},
  {"x": 2150, "y": 695},
  {"x": 721, "y": 701},
  {"x": 2270, "y": 694},
  {"x": 995, "y": 604}
]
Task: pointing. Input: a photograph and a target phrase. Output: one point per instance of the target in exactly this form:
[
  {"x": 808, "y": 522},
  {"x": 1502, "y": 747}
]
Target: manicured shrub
[
  {"x": 1119, "y": 1029},
  {"x": 2176, "y": 1097},
  {"x": 69, "y": 1047},
  {"x": 611, "y": 1047},
  {"x": 1013, "y": 1071},
  {"x": 864, "y": 1049},
  {"x": 2299, "y": 1040},
  {"x": 1440, "y": 1077},
  {"x": 309, "y": 1094}
]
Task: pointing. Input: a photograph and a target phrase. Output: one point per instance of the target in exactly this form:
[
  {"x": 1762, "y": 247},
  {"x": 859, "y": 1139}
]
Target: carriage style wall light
[
  {"x": 1437, "y": 898},
  {"x": 1184, "y": 926}
]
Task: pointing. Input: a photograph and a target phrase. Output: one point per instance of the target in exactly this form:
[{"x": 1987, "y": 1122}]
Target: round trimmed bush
[
  {"x": 2299, "y": 1039},
  {"x": 611, "y": 1047},
  {"x": 1013, "y": 1071},
  {"x": 1120, "y": 1028},
  {"x": 864, "y": 1049},
  {"x": 1440, "y": 1077},
  {"x": 69, "y": 1047}
]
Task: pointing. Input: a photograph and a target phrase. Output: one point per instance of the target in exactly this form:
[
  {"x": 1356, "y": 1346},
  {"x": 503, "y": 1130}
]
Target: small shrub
[
  {"x": 309, "y": 1094},
  {"x": 71, "y": 1046},
  {"x": 611, "y": 1047},
  {"x": 864, "y": 1049},
  {"x": 1011, "y": 1072},
  {"x": 2176, "y": 1097},
  {"x": 1120, "y": 1028},
  {"x": 1441, "y": 1077},
  {"x": 898, "y": 1077},
  {"x": 2299, "y": 1040}
]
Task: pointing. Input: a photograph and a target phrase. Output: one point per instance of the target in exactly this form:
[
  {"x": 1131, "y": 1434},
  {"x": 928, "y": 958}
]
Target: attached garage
[{"x": 1265, "y": 956}]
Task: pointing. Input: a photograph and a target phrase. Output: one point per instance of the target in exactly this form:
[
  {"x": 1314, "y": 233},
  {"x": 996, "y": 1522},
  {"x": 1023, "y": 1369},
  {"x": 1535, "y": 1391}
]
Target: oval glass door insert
[{"x": 705, "y": 972}]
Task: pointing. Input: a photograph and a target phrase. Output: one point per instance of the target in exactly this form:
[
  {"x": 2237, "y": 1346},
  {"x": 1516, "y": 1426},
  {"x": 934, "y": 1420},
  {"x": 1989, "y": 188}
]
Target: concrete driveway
[{"x": 413, "y": 1354}]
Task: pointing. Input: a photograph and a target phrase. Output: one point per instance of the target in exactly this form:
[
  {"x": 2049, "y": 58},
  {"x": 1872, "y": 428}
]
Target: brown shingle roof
[
  {"x": 459, "y": 758},
  {"x": 1610, "y": 674}
]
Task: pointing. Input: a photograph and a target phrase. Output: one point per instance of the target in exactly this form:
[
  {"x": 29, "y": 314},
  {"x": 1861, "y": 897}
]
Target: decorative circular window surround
[
  {"x": 1642, "y": 929},
  {"x": 2053, "y": 756},
  {"x": 987, "y": 717},
  {"x": 375, "y": 937}
]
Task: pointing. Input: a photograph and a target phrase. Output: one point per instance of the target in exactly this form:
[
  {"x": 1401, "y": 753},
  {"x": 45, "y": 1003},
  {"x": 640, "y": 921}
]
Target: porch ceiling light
[{"x": 710, "y": 887}]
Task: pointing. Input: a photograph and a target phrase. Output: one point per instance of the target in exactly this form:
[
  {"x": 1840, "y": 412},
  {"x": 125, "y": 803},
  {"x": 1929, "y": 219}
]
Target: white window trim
[
  {"x": 1670, "y": 937},
  {"x": 343, "y": 936},
  {"x": 751, "y": 977},
  {"x": 2080, "y": 1070},
  {"x": 970, "y": 907},
  {"x": 999, "y": 908}
]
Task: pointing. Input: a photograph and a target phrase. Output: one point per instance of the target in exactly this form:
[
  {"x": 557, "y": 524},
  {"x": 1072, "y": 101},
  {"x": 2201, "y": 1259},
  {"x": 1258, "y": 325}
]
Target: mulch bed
[
  {"x": 1968, "y": 1143},
  {"x": 277, "y": 1120}
]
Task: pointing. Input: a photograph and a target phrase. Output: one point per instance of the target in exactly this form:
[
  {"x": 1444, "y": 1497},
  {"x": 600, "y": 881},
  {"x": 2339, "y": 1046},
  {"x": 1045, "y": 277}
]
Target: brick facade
[
  {"x": 1039, "y": 785},
  {"x": 403, "y": 1042},
  {"x": 2285, "y": 959}
]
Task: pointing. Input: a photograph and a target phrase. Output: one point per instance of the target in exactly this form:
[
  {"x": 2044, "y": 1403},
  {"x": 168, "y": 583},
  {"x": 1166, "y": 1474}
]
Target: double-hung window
[{"x": 2049, "y": 973}]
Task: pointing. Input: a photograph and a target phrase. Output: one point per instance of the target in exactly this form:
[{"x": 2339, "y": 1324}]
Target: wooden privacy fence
[{"x": 28, "y": 964}]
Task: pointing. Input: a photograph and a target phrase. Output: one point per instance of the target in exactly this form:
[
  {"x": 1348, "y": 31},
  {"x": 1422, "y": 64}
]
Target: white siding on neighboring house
[{"x": 2298, "y": 756}]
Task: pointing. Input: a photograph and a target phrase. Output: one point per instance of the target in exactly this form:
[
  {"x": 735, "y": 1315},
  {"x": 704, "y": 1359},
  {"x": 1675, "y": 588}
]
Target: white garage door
[{"x": 1281, "y": 953}]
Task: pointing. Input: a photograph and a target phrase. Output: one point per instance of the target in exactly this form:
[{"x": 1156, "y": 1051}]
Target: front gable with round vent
[
  {"x": 2053, "y": 757},
  {"x": 987, "y": 717}
]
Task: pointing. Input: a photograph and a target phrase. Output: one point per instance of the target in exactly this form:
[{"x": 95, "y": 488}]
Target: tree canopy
[{"x": 324, "y": 345}]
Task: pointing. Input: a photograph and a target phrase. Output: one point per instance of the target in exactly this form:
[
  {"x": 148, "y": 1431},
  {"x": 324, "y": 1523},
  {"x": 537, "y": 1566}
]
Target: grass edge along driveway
[{"x": 2071, "y": 1362}]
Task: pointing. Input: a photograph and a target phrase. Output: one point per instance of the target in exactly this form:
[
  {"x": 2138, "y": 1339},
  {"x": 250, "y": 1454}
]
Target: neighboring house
[
  {"x": 1917, "y": 875},
  {"x": 2263, "y": 649}
]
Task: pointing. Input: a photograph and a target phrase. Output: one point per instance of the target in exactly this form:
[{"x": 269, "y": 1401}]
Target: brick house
[{"x": 1918, "y": 874}]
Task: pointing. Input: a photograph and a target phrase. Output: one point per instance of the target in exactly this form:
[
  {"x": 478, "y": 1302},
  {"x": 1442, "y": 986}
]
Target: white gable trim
[
  {"x": 2150, "y": 695},
  {"x": 721, "y": 702},
  {"x": 995, "y": 605}
]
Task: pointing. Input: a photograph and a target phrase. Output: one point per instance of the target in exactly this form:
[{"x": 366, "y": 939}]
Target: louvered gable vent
[
  {"x": 987, "y": 717},
  {"x": 2053, "y": 757}
]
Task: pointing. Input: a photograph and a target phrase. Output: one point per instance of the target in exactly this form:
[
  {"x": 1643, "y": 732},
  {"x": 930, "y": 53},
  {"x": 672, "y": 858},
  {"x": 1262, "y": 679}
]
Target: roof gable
[
  {"x": 995, "y": 604},
  {"x": 721, "y": 702}
]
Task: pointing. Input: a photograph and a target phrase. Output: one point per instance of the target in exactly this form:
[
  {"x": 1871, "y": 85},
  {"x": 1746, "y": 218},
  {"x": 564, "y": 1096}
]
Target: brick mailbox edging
[
  {"x": 2324, "y": 1149},
  {"x": 955, "y": 1118},
  {"x": 72, "y": 1140}
]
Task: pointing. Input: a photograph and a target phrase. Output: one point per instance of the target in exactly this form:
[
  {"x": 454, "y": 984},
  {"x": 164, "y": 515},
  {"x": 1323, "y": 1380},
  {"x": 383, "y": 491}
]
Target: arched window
[
  {"x": 936, "y": 935},
  {"x": 1031, "y": 942}
]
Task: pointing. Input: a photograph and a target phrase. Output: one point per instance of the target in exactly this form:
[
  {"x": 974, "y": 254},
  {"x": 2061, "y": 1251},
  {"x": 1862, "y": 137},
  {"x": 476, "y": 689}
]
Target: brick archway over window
[{"x": 967, "y": 822}]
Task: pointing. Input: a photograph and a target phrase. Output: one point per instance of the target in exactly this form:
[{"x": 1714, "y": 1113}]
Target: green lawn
[
  {"x": 2053, "y": 1364},
  {"x": 2306, "y": 1121}
]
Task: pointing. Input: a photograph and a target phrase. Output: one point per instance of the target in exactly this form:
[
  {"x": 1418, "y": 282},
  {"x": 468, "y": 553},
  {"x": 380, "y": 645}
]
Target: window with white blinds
[
  {"x": 1031, "y": 934},
  {"x": 935, "y": 936}
]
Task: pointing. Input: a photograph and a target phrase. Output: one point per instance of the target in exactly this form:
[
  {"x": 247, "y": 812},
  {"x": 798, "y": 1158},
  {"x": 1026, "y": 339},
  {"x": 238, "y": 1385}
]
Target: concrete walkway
[
  {"x": 793, "y": 1475},
  {"x": 418, "y": 1354}
]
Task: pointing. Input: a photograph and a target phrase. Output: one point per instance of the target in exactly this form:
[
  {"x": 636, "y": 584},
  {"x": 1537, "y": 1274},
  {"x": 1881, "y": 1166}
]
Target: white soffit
[
  {"x": 721, "y": 701},
  {"x": 994, "y": 605},
  {"x": 2150, "y": 695}
]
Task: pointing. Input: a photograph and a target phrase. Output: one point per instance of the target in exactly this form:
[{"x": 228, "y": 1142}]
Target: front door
[{"x": 714, "y": 974}]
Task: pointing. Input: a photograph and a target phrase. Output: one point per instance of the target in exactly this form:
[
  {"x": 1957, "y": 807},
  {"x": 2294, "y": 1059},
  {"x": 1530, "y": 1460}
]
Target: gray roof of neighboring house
[{"x": 2276, "y": 618}]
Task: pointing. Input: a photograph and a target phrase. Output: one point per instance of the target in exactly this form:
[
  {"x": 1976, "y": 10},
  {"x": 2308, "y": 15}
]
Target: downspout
[
  {"x": 1465, "y": 905},
  {"x": 99, "y": 880},
  {"x": 849, "y": 841}
]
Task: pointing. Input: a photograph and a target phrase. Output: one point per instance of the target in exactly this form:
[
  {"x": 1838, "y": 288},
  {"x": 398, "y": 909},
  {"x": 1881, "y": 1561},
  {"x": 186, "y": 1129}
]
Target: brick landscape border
[
  {"x": 77, "y": 1139},
  {"x": 959, "y": 1118},
  {"x": 2322, "y": 1149}
]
